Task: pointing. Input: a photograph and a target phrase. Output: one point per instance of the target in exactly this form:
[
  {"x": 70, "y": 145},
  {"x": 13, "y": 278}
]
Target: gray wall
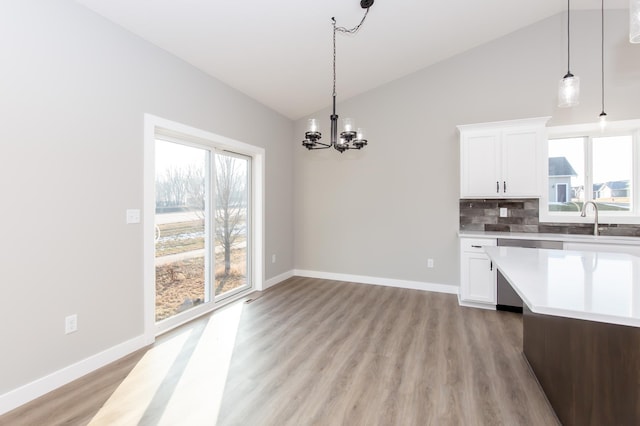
[
  {"x": 383, "y": 211},
  {"x": 73, "y": 91}
]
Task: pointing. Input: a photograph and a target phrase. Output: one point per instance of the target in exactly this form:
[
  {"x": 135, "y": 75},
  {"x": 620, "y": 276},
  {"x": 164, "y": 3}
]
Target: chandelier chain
[
  {"x": 346, "y": 31},
  {"x": 334, "y": 56}
]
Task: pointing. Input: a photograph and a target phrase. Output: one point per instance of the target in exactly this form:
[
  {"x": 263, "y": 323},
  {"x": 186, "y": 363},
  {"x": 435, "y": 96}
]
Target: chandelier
[{"x": 351, "y": 137}]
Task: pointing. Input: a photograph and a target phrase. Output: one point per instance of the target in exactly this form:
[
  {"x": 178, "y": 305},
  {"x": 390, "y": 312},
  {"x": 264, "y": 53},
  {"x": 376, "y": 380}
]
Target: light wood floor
[{"x": 316, "y": 352}]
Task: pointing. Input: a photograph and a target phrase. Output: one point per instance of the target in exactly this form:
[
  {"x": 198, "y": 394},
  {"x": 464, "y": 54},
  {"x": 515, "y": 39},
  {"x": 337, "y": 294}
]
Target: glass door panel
[
  {"x": 232, "y": 223},
  {"x": 181, "y": 246}
]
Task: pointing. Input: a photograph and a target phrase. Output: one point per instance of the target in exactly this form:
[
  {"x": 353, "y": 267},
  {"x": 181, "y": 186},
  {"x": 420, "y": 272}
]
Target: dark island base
[{"x": 590, "y": 371}]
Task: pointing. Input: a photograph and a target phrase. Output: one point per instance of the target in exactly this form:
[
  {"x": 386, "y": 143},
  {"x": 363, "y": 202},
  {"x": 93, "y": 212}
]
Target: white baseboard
[
  {"x": 389, "y": 282},
  {"x": 19, "y": 396},
  {"x": 476, "y": 304},
  {"x": 276, "y": 280}
]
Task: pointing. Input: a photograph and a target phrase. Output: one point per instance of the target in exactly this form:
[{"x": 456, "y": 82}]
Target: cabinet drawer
[{"x": 475, "y": 245}]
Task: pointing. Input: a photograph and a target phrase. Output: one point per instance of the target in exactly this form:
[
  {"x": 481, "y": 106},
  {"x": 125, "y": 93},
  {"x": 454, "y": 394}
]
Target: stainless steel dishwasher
[{"x": 508, "y": 299}]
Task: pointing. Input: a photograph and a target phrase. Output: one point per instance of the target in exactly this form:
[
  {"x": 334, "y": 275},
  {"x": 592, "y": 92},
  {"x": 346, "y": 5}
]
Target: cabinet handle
[
  {"x": 476, "y": 246},
  {"x": 497, "y": 187},
  {"x": 491, "y": 266},
  {"x": 504, "y": 183}
]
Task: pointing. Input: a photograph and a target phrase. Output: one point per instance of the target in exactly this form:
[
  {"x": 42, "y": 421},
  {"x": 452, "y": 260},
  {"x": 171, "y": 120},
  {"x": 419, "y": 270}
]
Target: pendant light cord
[
  {"x": 602, "y": 47},
  {"x": 568, "y": 37}
]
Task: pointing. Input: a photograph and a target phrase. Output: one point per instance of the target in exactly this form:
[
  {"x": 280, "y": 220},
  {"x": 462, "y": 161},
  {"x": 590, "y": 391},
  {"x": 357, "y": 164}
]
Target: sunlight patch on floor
[{"x": 151, "y": 394}]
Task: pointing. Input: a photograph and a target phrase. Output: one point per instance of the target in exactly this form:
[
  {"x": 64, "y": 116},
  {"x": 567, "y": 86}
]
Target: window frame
[{"x": 590, "y": 131}]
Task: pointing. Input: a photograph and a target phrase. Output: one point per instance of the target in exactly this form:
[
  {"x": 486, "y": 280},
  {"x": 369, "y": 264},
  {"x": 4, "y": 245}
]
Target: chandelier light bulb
[
  {"x": 634, "y": 21},
  {"x": 360, "y": 133}
]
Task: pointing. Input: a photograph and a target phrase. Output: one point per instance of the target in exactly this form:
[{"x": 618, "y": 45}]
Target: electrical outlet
[
  {"x": 429, "y": 263},
  {"x": 273, "y": 258},
  {"x": 503, "y": 212},
  {"x": 71, "y": 324}
]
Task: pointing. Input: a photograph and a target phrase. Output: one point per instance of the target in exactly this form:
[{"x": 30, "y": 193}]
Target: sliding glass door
[
  {"x": 202, "y": 228},
  {"x": 232, "y": 223}
]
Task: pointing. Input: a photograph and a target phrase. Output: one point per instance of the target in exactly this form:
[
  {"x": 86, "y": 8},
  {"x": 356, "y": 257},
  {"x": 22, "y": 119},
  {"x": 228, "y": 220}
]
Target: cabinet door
[
  {"x": 480, "y": 165},
  {"x": 478, "y": 280},
  {"x": 520, "y": 165}
]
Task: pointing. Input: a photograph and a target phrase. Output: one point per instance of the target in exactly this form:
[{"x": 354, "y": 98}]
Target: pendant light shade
[
  {"x": 569, "y": 86},
  {"x": 569, "y": 91},
  {"x": 634, "y": 21}
]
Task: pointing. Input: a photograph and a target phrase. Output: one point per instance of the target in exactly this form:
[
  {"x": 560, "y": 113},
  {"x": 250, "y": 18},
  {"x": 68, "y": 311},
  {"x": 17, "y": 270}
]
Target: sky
[
  {"x": 169, "y": 154},
  {"x": 612, "y": 157}
]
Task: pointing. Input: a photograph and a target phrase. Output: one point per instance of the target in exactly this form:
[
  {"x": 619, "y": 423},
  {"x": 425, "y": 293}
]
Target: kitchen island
[{"x": 581, "y": 329}]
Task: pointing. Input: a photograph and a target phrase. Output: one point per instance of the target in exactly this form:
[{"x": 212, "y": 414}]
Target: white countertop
[
  {"x": 576, "y": 238},
  {"x": 588, "y": 285}
]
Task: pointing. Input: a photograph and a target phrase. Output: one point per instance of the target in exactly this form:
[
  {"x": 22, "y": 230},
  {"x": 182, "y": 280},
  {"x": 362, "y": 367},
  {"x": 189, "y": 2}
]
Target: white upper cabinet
[{"x": 501, "y": 159}]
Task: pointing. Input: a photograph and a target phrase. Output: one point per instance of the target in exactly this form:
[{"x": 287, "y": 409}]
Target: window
[{"x": 586, "y": 163}]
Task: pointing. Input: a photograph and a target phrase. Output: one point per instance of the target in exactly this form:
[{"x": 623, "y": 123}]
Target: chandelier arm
[{"x": 324, "y": 146}]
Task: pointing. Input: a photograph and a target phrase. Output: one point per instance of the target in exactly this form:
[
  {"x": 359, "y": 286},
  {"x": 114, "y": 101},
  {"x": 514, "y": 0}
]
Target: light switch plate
[
  {"x": 133, "y": 215},
  {"x": 503, "y": 212},
  {"x": 71, "y": 324}
]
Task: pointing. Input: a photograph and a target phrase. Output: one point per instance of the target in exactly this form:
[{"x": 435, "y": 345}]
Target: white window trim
[
  {"x": 153, "y": 126},
  {"x": 593, "y": 129}
]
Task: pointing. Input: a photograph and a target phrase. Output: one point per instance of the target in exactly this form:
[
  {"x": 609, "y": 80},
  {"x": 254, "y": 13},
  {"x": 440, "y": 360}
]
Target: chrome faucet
[{"x": 583, "y": 213}]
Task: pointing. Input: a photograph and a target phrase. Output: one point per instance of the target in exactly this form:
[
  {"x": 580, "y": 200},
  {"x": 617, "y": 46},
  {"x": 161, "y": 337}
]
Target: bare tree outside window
[{"x": 230, "y": 210}]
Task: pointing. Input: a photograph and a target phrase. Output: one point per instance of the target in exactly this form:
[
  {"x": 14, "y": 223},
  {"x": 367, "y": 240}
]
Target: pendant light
[
  {"x": 569, "y": 87},
  {"x": 350, "y": 138},
  {"x": 634, "y": 21},
  {"x": 603, "y": 115}
]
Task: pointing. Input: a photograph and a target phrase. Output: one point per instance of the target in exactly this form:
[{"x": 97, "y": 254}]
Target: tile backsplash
[{"x": 522, "y": 216}]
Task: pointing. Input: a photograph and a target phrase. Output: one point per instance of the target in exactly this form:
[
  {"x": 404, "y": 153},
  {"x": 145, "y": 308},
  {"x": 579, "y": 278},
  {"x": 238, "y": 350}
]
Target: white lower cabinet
[{"x": 477, "y": 274}]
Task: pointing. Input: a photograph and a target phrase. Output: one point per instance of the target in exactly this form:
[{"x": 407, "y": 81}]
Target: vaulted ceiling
[{"x": 279, "y": 52}]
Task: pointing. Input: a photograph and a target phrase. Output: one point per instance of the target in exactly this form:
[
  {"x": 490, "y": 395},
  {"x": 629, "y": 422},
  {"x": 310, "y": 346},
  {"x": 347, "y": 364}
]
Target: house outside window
[
  {"x": 585, "y": 163},
  {"x": 560, "y": 175}
]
